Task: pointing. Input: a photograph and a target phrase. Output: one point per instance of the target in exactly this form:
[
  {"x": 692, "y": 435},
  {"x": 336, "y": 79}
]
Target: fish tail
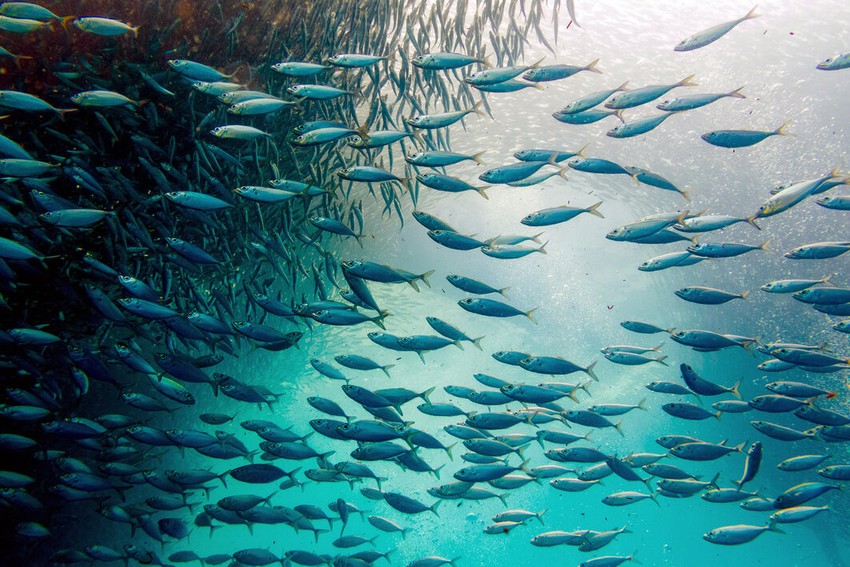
[
  {"x": 660, "y": 359},
  {"x": 592, "y": 209},
  {"x": 686, "y": 194},
  {"x": 618, "y": 427},
  {"x": 538, "y": 86},
  {"x": 486, "y": 62},
  {"x": 424, "y": 277},
  {"x": 751, "y": 14},
  {"x": 477, "y": 342},
  {"x": 781, "y": 131},
  {"x": 686, "y": 82},
  {"x": 771, "y": 526},
  {"x": 386, "y": 369},
  {"x": 458, "y": 344},
  {"x": 592, "y": 67},
  {"x": 477, "y": 157},
  {"x": 736, "y": 93},
  {"x": 619, "y": 114},
  {"x": 735, "y": 391},
  {"x": 504, "y": 292},
  {"x": 589, "y": 372},
  {"x": 826, "y": 279},
  {"x": 563, "y": 172},
  {"x": 542, "y": 248},
  {"x": 481, "y": 191},
  {"x": 622, "y": 87},
  {"x": 714, "y": 479},
  {"x": 764, "y": 246},
  {"x": 536, "y": 237},
  {"x": 529, "y": 314},
  {"x": 363, "y": 131},
  {"x": 641, "y": 405},
  {"x": 581, "y": 153},
  {"x": 745, "y": 294},
  {"x": 477, "y": 108},
  {"x": 751, "y": 220},
  {"x": 424, "y": 395}
]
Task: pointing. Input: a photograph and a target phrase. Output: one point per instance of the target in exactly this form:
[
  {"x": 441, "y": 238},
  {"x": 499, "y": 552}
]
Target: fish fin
[
  {"x": 477, "y": 342},
  {"x": 563, "y": 173},
  {"x": 745, "y": 294},
  {"x": 764, "y": 246},
  {"x": 735, "y": 391},
  {"x": 386, "y": 368},
  {"x": 504, "y": 292},
  {"x": 714, "y": 479},
  {"x": 424, "y": 277},
  {"x": 581, "y": 153},
  {"x": 458, "y": 344},
  {"x": 589, "y": 372},
  {"x": 592, "y": 67},
  {"x": 736, "y": 93},
  {"x": 750, "y": 15},
  {"x": 661, "y": 360},
  {"x": 772, "y": 525},
  {"x": 592, "y": 209},
  {"x": 424, "y": 395},
  {"x": 686, "y": 82},
  {"x": 363, "y": 131},
  {"x": 481, "y": 191},
  {"x": 537, "y": 63},
  {"x": 486, "y": 61},
  {"x": 434, "y": 508},
  {"x": 618, "y": 426},
  {"x": 538, "y": 86},
  {"x": 529, "y": 312},
  {"x": 781, "y": 131},
  {"x": 622, "y": 87},
  {"x": 641, "y": 405},
  {"x": 619, "y": 114},
  {"x": 686, "y": 194},
  {"x": 542, "y": 248},
  {"x": 477, "y": 108},
  {"x": 751, "y": 220},
  {"x": 477, "y": 157}
]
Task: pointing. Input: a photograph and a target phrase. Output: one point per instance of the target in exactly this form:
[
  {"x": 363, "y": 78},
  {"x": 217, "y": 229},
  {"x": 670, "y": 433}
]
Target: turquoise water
[{"x": 583, "y": 287}]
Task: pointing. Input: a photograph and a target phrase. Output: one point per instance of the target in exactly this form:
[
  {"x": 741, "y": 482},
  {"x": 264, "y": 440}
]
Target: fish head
[
  {"x": 423, "y": 177},
  {"x": 219, "y": 131},
  {"x": 343, "y": 172},
  {"x": 414, "y": 120},
  {"x": 175, "y": 64},
  {"x": 664, "y": 105},
  {"x": 684, "y": 45},
  {"x": 647, "y": 266},
  {"x": 710, "y": 137},
  {"x": 826, "y": 63},
  {"x": 466, "y": 301}
]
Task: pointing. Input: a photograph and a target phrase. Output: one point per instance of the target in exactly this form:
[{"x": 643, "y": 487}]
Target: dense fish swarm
[{"x": 178, "y": 199}]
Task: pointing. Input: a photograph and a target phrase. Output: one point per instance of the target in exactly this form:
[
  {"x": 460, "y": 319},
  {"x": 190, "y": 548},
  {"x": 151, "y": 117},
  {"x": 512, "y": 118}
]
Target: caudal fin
[
  {"x": 592, "y": 209},
  {"x": 592, "y": 67}
]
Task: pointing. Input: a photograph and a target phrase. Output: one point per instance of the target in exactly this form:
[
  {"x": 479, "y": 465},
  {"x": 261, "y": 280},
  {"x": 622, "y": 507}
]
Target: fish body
[
  {"x": 556, "y": 215},
  {"x": 835, "y": 63},
  {"x": 691, "y": 102},
  {"x": 642, "y": 95},
  {"x": 443, "y": 61},
  {"x": 712, "y": 34},
  {"x": 557, "y": 72},
  {"x": 741, "y": 138}
]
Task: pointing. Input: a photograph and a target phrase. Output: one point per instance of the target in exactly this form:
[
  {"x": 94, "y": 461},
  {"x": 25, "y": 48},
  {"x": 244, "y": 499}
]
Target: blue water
[{"x": 583, "y": 288}]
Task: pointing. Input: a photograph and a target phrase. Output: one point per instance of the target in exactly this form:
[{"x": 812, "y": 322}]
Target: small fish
[
  {"x": 713, "y": 33},
  {"x": 742, "y": 138},
  {"x": 835, "y": 63}
]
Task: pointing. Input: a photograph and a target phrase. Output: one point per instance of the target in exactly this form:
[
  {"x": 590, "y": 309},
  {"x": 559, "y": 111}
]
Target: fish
[
  {"x": 742, "y": 138},
  {"x": 713, "y": 33}
]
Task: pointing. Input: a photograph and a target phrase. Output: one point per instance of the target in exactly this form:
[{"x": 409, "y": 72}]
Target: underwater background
[{"x": 125, "y": 159}]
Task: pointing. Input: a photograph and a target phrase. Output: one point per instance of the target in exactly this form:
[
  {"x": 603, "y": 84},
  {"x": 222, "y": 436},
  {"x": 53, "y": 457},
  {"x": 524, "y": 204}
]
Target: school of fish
[{"x": 163, "y": 216}]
